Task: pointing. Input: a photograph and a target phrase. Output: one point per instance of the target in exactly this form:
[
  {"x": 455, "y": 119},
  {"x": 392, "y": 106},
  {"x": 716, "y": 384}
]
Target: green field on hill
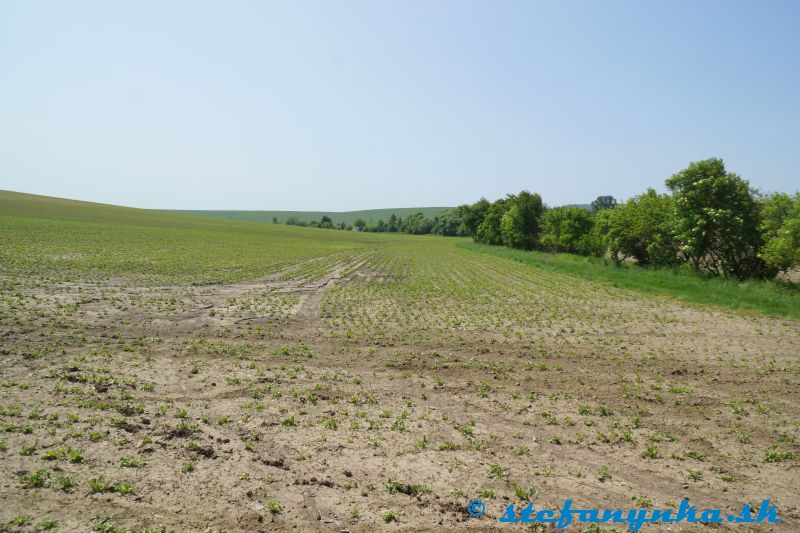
[{"x": 68, "y": 239}]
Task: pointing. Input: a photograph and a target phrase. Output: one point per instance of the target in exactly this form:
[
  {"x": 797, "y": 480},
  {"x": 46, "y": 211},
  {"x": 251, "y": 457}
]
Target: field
[
  {"x": 370, "y": 216},
  {"x": 194, "y": 374}
]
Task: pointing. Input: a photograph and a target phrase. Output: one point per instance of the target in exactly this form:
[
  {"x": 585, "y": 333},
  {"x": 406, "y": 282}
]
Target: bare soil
[{"x": 246, "y": 412}]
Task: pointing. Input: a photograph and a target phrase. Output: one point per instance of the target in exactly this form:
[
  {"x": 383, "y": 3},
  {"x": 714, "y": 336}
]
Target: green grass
[
  {"x": 63, "y": 240},
  {"x": 767, "y": 297},
  {"x": 67, "y": 240},
  {"x": 371, "y": 216}
]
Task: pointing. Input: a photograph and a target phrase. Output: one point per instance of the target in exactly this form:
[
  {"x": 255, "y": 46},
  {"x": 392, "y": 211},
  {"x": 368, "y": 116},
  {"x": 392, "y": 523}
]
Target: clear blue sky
[{"x": 352, "y": 105}]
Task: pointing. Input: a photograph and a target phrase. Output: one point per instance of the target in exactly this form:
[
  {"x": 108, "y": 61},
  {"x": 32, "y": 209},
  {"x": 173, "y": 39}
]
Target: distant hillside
[{"x": 370, "y": 216}]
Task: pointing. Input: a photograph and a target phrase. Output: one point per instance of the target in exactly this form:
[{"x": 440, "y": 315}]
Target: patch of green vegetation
[
  {"x": 36, "y": 480},
  {"x": 71, "y": 239},
  {"x": 771, "y": 298},
  {"x": 105, "y": 524},
  {"x": 777, "y": 455},
  {"x": 99, "y": 485},
  {"x": 274, "y": 507},
  {"x": 391, "y": 516}
]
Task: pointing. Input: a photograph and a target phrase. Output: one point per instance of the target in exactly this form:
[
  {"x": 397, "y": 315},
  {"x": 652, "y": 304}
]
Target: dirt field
[{"x": 249, "y": 407}]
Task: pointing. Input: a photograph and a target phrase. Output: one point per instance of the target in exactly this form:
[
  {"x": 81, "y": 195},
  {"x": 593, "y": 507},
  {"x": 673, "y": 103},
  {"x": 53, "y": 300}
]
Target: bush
[
  {"x": 780, "y": 227},
  {"x": 569, "y": 230},
  {"x": 643, "y": 228}
]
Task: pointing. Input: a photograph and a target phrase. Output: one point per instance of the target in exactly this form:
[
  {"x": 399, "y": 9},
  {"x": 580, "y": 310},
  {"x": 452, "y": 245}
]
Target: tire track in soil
[
  {"x": 307, "y": 310},
  {"x": 302, "y": 316}
]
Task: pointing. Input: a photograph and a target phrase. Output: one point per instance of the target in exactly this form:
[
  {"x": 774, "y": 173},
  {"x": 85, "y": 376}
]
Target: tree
[
  {"x": 568, "y": 229},
  {"x": 598, "y": 236},
  {"x": 603, "y": 202},
  {"x": 781, "y": 230},
  {"x": 717, "y": 220},
  {"x": 359, "y": 224},
  {"x": 392, "y": 225},
  {"x": 418, "y": 224},
  {"x": 448, "y": 223},
  {"x": 472, "y": 216},
  {"x": 489, "y": 229},
  {"x": 774, "y": 210},
  {"x": 643, "y": 228},
  {"x": 519, "y": 225}
]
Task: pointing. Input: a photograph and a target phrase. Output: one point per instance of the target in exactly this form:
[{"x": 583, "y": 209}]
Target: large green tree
[
  {"x": 489, "y": 229},
  {"x": 568, "y": 229},
  {"x": 717, "y": 220},
  {"x": 472, "y": 216},
  {"x": 643, "y": 228},
  {"x": 448, "y": 223},
  {"x": 417, "y": 224},
  {"x": 520, "y": 224},
  {"x": 603, "y": 202}
]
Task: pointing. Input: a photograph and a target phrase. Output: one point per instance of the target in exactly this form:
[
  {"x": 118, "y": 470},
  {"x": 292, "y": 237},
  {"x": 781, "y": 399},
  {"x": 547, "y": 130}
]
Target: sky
[{"x": 353, "y": 105}]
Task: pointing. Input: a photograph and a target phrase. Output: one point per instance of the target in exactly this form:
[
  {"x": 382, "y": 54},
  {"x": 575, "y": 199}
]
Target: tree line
[
  {"x": 445, "y": 223},
  {"x": 711, "y": 220}
]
